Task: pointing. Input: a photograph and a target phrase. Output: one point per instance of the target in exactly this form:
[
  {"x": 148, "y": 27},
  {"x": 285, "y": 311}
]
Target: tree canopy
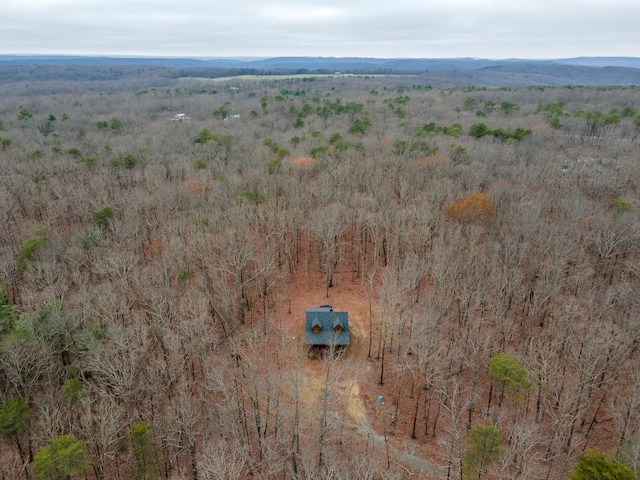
[
  {"x": 14, "y": 414},
  {"x": 474, "y": 208},
  {"x": 484, "y": 448},
  {"x": 508, "y": 372},
  {"x": 64, "y": 458},
  {"x": 594, "y": 465}
]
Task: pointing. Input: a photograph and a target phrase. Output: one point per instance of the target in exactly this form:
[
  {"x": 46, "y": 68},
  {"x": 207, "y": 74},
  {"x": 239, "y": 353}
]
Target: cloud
[{"x": 403, "y": 28}]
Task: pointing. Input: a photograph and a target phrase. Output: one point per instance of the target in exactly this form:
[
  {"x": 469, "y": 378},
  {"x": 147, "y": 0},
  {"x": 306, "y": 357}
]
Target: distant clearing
[{"x": 294, "y": 76}]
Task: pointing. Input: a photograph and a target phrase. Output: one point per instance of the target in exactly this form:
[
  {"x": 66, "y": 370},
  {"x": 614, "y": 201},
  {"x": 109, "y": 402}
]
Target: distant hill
[
  {"x": 532, "y": 75},
  {"x": 10, "y": 60},
  {"x": 524, "y": 74},
  {"x": 311, "y": 63},
  {"x": 631, "y": 62},
  {"x": 620, "y": 71}
]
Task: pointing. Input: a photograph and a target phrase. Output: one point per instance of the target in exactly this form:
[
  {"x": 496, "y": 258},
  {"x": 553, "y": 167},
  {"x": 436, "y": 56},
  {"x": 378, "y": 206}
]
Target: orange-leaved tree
[{"x": 474, "y": 208}]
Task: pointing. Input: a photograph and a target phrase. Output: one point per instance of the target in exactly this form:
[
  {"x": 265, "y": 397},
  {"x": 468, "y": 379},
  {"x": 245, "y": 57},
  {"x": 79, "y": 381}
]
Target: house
[
  {"x": 179, "y": 117},
  {"x": 232, "y": 117},
  {"x": 327, "y": 327}
]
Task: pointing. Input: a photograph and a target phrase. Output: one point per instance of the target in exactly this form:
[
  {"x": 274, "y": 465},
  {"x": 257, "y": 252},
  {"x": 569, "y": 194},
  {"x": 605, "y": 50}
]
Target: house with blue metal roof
[{"x": 326, "y": 327}]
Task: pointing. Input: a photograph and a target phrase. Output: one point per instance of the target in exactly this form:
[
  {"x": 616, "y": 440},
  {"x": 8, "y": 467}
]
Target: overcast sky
[{"x": 494, "y": 29}]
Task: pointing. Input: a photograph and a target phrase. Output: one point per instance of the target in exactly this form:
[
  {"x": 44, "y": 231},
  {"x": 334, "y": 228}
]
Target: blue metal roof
[{"x": 327, "y": 320}]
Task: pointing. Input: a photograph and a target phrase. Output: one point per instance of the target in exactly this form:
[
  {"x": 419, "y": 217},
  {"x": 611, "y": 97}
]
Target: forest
[{"x": 159, "y": 246}]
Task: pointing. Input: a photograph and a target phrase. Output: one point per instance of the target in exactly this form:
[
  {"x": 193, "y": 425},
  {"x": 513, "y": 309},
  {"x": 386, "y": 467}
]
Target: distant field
[{"x": 287, "y": 77}]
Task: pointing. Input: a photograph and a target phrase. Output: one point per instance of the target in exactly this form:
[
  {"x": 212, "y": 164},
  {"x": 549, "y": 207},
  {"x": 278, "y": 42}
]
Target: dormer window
[
  {"x": 337, "y": 326},
  {"x": 316, "y": 327}
]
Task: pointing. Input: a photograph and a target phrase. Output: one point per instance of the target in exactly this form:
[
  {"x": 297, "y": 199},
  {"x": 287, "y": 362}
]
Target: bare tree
[{"x": 327, "y": 227}]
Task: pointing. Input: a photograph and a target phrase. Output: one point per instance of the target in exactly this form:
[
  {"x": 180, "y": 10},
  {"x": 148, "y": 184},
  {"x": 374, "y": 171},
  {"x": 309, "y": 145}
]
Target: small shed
[{"x": 327, "y": 327}]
